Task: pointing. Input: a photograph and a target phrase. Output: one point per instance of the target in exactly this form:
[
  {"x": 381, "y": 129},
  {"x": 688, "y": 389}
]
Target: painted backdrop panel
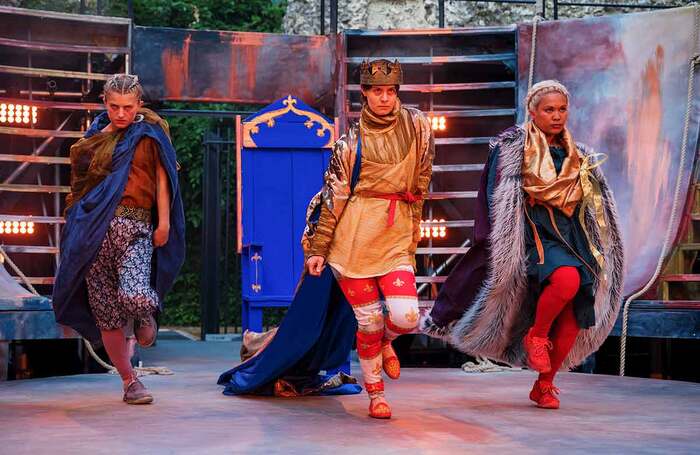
[{"x": 233, "y": 67}]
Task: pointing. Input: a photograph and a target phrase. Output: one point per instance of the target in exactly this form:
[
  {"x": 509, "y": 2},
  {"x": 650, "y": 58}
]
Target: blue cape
[
  {"x": 316, "y": 334},
  {"x": 87, "y": 222}
]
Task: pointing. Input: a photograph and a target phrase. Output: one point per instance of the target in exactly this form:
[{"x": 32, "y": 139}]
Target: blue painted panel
[
  {"x": 273, "y": 214},
  {"x": 279, "y": 185},
  {"x": 307, "y": 182},
  {"x": 282, "y": 164}
]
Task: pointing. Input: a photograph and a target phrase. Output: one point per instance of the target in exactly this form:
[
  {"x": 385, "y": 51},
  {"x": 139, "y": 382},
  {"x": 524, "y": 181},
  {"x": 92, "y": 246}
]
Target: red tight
[{"x": 555, "y": 316}]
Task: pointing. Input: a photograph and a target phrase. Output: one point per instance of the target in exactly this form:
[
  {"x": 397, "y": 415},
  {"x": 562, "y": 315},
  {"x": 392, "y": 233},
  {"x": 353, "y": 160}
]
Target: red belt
[{"x": 405, "y": 196}]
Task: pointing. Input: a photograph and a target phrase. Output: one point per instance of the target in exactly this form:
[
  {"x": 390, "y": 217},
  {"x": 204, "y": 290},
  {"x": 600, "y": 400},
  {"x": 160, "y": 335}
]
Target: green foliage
[
  {"x": 51, "y": 5},
  {"x": 241, "y": 15},
  {"x": 248, "y": 15},
  {"x": 183, "y": 302},
  {"x": 251, "y": 16}
]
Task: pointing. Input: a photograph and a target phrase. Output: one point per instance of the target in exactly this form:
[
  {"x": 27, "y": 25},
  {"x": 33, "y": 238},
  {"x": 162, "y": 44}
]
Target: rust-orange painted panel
[{"x": 236, "y": 67}]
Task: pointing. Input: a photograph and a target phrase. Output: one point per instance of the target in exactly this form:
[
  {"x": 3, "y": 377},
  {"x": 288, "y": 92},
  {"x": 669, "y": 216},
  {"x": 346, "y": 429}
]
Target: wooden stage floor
[{"x": 443, "y": 411}]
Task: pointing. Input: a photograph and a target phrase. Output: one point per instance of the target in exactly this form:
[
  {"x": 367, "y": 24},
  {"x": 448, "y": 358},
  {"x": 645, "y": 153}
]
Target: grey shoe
[{"x": 136, "y": 393}]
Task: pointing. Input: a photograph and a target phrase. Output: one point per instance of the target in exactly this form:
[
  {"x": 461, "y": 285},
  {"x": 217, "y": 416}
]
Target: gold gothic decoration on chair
[{"x": 252, "y": 127}]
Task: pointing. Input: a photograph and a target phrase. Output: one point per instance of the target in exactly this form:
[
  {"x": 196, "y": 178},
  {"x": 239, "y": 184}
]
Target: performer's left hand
[{"x": 160, "y": 236}]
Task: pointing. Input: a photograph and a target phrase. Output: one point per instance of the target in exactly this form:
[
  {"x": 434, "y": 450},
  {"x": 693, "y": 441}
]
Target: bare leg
[{"x": 117, "y": 348}]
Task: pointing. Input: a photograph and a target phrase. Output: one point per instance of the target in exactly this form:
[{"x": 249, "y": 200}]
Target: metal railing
[
  {"x": 540, "y": 5},
  {"x": 632, "y": 5}
]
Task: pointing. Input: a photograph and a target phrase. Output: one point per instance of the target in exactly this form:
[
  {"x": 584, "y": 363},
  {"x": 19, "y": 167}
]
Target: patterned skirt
[{"x": 119, "y": 281}]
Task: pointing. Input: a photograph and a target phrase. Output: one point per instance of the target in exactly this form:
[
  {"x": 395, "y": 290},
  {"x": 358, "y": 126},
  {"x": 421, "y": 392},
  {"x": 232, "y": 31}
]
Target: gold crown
[{"x": 381, "y": 72}]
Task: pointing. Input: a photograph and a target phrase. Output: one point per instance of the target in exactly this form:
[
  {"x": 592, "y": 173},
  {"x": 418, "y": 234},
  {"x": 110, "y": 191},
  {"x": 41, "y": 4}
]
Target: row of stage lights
[
  {"x": 428, "y": 229},
  {"x": 432, "y": 229},
  {"x": 439, "y": 123},
  {"x": 17, "y": 227},
  {"x": 18, "y": 113}
]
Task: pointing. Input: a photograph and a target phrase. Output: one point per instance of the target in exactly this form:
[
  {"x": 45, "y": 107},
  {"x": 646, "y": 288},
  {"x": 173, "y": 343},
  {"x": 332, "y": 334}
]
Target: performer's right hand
[{"x": 315, "y": 265}]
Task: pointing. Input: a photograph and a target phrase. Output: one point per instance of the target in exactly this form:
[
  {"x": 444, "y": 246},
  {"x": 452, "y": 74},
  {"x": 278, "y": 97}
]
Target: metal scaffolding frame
[{"x": 48, "y": 37}]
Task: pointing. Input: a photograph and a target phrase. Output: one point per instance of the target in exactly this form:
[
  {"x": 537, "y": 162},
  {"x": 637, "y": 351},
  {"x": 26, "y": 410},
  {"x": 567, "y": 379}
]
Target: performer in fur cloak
[{"x": 542, "y": 284}]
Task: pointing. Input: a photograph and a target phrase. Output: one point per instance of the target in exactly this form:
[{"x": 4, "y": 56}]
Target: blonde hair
[
  {"x": 123, "y": 84},
  {"x": 540, "y": 89}
]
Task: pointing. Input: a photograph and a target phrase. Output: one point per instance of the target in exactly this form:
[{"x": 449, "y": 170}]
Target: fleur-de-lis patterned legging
[{"x": 375, "y": 330}]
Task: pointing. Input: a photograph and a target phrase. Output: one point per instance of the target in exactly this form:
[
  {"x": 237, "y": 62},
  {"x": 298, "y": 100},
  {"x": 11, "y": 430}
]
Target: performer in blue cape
[
  {"x": 362, "y": 232},
  {"x": 115, "y": 267}
]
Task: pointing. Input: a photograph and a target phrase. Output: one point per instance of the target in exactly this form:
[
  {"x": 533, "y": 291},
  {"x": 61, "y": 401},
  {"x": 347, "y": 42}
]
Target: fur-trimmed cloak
[{"x": 488, "y": 303}]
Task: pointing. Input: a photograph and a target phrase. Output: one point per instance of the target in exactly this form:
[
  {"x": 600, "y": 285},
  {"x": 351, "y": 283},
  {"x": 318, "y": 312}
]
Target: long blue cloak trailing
[{"x": 316, "y": 334}]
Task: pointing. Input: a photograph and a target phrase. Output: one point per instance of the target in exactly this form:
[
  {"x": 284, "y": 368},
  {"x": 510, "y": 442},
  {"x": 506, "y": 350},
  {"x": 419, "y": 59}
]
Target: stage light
[
  {"x": 18, "y": 113},
  {"x": 17, "y": 227},
  {"x": 438, "y": 123},
  {"x": 433, "y": 229}
]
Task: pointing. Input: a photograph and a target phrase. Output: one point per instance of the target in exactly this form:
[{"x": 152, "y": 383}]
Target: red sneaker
[
  {"x": 545, "y": 395},
  {"x": 537, "y": 350}
]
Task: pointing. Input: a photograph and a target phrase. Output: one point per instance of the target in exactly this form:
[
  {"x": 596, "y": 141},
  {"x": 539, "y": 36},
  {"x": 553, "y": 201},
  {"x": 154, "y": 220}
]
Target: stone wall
[{"x": 303, "y": 16}]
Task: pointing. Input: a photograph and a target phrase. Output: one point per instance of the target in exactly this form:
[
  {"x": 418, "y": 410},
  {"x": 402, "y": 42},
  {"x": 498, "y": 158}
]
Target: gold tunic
[{"x": 397, "y": 152}]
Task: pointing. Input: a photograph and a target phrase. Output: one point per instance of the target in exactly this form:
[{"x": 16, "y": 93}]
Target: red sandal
[
  {"x": 390, "y": 361},
  {"x": 377, "y": 409}
]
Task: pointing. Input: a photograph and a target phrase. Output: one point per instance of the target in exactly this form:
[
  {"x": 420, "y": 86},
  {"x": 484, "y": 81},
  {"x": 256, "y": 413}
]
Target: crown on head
[{"x": 381, "y": 72}]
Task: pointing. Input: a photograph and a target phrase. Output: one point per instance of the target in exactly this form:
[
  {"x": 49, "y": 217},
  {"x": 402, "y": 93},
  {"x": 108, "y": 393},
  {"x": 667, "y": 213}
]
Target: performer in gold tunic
[{"x": 368, "y": 229}]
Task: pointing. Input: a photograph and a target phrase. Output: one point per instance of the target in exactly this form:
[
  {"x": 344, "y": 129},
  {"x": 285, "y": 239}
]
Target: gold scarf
[
  {"x": 369, "y": 121},
  {"x": 574, "y": 184},
  {"x": 98, "y": 149},
  {"x": 540, "y": 179},
  {"x": 387, "y": 138}
]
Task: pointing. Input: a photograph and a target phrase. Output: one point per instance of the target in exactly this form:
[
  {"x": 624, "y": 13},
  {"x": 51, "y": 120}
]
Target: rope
[
  {"x": 533, "y": 49},
  {"x": 676, "y": 195},
  {"x": 5, "y": 258},
  {"x": 140, "y": 370},
  {"x": 484, "y": 365}
]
